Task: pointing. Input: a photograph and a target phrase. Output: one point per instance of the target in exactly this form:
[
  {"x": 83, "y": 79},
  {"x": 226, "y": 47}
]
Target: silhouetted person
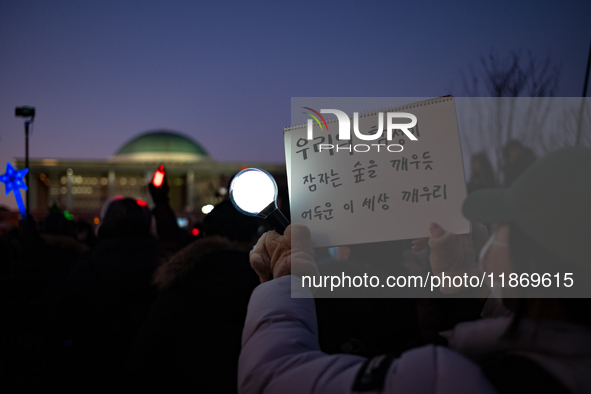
[
  {"x": 526, "y": 342},
  {"x": 191, "y": 339},
  {"x": 85, "y": 234},
  {"x": 107, "y": 297},
  {"x": 171, "y": 237},
  {"x": 516, "y": 159},
  {"x": 483, "y": 176}
]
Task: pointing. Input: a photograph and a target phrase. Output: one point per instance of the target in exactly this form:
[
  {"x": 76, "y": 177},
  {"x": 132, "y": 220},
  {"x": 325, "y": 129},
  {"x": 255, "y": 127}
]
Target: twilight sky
[{"x": 224, "y": 72}]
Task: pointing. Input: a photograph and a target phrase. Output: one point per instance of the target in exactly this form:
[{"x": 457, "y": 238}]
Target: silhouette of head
[{"x": 124, "y": 218}]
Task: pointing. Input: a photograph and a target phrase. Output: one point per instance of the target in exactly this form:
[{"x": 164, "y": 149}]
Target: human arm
[
  {"x": 281, "y": 353},
  {"x": 169, "y": 233}
]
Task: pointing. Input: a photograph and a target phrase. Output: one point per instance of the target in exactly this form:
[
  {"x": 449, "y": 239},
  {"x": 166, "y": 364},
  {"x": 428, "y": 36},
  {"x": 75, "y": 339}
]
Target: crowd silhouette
[{"x": 137, "y": 303}]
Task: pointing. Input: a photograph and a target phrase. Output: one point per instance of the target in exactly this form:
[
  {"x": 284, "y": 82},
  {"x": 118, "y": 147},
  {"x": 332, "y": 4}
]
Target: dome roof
[{"x": 161, "y": 145}]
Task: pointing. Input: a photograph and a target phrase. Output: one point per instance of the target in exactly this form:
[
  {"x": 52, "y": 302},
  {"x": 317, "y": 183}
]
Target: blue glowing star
[{"x": 13, "y": 182}]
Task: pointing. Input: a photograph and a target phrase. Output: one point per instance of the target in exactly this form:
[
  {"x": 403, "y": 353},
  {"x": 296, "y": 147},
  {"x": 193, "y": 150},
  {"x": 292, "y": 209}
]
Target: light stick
[
  {"x": 158, "y": 176},
  {"x": 254, "y": 193},
  {"x": 13, "y": 182}
]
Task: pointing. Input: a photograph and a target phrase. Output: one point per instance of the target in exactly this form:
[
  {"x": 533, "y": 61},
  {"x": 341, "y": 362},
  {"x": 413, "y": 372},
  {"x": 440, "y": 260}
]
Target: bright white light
[
  {"x": 253, "y": 191},
  {"x": 207, "y": 208}
]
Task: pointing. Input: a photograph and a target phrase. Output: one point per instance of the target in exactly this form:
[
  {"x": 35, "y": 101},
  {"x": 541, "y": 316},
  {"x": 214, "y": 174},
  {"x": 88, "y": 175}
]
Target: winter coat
[
  {"x": 280, "y": 353},
  {"x": 191, "y": 339},
  {"x": 104, "y": 303}
]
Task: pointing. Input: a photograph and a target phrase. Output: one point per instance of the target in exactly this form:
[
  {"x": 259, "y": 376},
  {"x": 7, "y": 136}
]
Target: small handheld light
[
  {"x": 141, "y": 203},
  {"x": 158, "y": 177},
  {"x": 254, "y": 192},
  {"x": 13, "y": 182}
]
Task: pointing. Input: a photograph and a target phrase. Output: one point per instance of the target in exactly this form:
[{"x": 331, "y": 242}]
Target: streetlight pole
[
  {"x": 26, "y": 112},
  {"x": 27, "y": 162}
]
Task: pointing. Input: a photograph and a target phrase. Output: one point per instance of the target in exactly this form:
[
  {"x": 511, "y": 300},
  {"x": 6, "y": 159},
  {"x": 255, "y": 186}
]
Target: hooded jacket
[{"x": 280, "y": 353}]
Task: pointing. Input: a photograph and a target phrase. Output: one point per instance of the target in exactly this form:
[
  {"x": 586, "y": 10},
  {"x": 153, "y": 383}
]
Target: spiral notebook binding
[{"x": 404, "y": 107}]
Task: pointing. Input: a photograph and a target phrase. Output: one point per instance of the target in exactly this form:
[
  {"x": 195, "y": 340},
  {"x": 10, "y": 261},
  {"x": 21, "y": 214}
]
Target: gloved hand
[
  {"x": 455, "y": 255},
  {"x": 274, "y": 255},
  {"x": 160, "y": 194}
]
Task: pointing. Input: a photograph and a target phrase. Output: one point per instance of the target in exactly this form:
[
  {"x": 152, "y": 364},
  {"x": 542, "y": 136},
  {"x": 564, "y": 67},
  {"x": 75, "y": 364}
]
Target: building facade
[{"x": 82, "y": 186}]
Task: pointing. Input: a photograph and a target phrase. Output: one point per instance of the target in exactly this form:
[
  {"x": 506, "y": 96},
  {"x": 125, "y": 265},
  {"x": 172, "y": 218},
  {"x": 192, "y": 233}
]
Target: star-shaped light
[{"x": 13, "y": 182}]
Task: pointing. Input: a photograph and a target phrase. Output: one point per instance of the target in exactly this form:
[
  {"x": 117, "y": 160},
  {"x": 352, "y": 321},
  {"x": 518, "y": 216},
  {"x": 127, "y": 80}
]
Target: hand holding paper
[
  {"x": 273, "y": 255},
  {"x": 454, "y": 255}
]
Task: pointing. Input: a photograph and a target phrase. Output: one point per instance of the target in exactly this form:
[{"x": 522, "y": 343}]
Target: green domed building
[
  {"x": 161, "y": 145},
  {"x": 82, "y": 186}
]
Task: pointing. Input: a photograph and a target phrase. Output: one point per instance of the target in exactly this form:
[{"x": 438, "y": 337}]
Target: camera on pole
[{"x": 25, "y": 112}]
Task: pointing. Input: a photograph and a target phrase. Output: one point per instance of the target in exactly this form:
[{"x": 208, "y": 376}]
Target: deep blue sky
[{"x": 100, "y": 72}]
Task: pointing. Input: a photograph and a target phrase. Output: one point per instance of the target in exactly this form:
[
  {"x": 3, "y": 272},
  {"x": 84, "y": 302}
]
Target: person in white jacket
[{"x": 540, "y": 345}]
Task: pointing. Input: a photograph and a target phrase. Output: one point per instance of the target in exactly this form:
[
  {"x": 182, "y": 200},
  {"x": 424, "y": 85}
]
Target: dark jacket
[
  {"x": 104, "y": 302},
  {"x": 191, "y": 339}
]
